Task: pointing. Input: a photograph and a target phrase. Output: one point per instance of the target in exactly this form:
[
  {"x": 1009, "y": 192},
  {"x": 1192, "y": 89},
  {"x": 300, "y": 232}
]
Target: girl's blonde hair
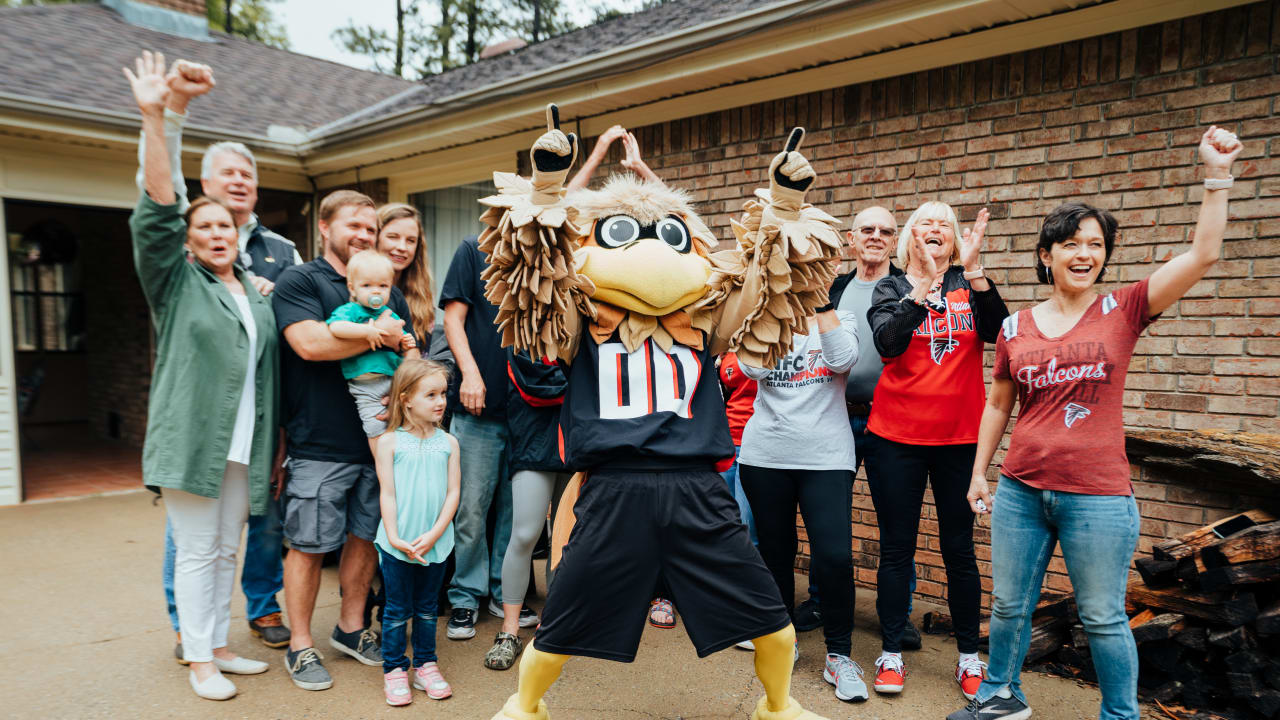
[
  {"x": 411, "y": 372},
  {"x": 932, "y": 210},
  {"x": 415, "y": 282}
]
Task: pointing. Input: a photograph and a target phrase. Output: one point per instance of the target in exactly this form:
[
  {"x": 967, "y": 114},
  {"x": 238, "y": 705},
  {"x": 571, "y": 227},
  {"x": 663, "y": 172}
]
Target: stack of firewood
[{"x": 1205, "y": 615}]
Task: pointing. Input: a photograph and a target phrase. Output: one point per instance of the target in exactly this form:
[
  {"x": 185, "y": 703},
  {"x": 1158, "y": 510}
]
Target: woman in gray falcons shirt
[{"x": 798, "y": 450}]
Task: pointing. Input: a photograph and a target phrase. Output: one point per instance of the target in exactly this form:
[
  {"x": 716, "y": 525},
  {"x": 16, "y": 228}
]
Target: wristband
[
  {"x": 1219, "y": 183},
  {"x": 824, "y": 308},
  {"x": 974, "y": 274}
]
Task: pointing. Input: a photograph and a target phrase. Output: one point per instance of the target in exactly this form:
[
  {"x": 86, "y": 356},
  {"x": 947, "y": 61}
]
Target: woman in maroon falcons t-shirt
[{"x": 1065, "y": 479}]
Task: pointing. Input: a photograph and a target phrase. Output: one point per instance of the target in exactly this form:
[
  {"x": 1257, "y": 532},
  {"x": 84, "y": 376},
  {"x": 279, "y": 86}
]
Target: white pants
[{"x": 207, "y": 532}]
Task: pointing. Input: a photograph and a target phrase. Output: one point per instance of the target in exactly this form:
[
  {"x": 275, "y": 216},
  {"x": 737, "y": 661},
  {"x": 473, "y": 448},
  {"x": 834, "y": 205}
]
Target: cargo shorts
[{"x": 324, "y": 501}]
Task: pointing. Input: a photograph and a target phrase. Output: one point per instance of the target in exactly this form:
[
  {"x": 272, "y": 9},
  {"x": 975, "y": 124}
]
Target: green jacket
[{"x": 200, "y": 364}]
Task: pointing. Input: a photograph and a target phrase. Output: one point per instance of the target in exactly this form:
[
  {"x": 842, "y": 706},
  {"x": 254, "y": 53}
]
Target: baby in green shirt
[{"x": 370, "y": 276}]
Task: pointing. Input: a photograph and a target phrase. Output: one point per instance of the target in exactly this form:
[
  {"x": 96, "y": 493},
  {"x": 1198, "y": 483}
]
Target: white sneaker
[
  {"x": 746, "y": 645},
  {"x": 215, "y": 687},
  {"x": 240, "y": 666}
]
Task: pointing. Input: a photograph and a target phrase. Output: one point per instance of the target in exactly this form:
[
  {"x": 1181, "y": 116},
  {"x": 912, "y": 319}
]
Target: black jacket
[
  {"x": 842, "y": 282},
  {"x": 269, "y": 253},
  {"x": 893, "y": 321},
  {"x": 534, "y": 396}
]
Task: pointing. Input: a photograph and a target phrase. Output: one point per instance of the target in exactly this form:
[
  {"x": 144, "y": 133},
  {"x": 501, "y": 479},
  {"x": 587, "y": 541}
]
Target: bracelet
[
  {"x": 1219, "y": 183},
  {"x": 974, "y": 274},
  {"x": 909, "y": 299},
  {"x": 824, "y": 308}
]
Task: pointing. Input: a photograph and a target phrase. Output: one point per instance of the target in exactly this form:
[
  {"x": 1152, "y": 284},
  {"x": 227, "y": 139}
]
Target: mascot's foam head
[{"x": 645, "y": 249}]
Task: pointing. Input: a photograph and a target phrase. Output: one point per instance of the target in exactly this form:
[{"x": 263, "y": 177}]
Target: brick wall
[{"x": 1112, "y": 121}]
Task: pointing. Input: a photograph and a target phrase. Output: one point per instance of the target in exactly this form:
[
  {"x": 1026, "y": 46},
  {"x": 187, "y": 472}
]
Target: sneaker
[
  {"x": 969, "y": 674},
  {"x": 395, "y": 686},
  {"x": 428, "y": 679},
  {"x": 911, "y": 637},
  {"x": 846, "y": 675},
  {"x": 271, "y": 629},
  {"x": 462, "y": 624},
  {"x": 746, "y": 645},
  {"x": 808, "y": 616},
  {"x": 890, "y": 674},
  {"x": 997, "y": 708},
  {"x": 307, "y": 670},
  {"x": 528, "y": 618},
  {"x": 506, "y": 647},
  {"x": 363, "y": 644},
  {"x": 214, "y": 687}
]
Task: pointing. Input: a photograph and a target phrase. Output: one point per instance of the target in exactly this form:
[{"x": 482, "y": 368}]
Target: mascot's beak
[{"x": 646, "y": 276}]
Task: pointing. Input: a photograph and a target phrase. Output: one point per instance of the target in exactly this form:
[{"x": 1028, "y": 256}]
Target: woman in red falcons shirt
[
  {"x": 1065, "y": 479},
  {"x": 929, "y": 326}
]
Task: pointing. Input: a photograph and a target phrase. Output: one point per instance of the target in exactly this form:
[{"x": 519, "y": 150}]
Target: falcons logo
[
  {"x": 814, "y": 357},
  {"x": 939, "y": 347},
  {"x": 1074, "y": 413}
]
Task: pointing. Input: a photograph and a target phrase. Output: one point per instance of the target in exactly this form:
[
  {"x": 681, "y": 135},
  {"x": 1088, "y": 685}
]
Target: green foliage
[
  {"x": 438, "y": 35},
  {"x": 250, "y": 19}
]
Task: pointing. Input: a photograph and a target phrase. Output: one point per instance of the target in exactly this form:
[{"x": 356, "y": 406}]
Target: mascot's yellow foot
[
  {"x": 792, "y": 711},
  {"x": 512, "y": 711}
]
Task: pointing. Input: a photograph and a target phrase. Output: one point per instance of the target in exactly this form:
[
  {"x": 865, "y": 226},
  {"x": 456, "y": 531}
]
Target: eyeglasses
[{"x": 884, "y": 232}]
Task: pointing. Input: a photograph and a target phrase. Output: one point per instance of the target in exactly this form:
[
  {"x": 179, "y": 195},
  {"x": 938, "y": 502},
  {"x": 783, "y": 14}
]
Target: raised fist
[
  {"x": 1219, "y": 148},
  {"x": 188, "y": 78}
]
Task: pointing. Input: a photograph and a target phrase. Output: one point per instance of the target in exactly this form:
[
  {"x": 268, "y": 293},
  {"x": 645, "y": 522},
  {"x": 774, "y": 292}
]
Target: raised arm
[
  {"x": 1218, "y": 150},
  {"x": 780, "y": 274},
  {"x": 151, "y": 92},
  {"x": 838, "y": 335},
  {"x": 530, "y": 240},
  {"x": 633, "y": 161},
  {"x": 186, "y": 80},
  {"x": 588, "y": 169}
]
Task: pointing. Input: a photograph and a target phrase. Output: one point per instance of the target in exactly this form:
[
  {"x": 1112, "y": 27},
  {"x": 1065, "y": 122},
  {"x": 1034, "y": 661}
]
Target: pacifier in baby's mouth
[{"x": 376, "y": 301}]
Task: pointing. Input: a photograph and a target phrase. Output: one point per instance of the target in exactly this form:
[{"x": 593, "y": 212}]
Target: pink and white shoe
[
  {"x": 395, "y": 685},
  {"x": 429, "y": 679}
]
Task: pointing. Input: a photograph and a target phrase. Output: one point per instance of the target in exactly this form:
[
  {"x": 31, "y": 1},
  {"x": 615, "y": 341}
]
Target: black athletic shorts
[{"x": 634, "y": 528}]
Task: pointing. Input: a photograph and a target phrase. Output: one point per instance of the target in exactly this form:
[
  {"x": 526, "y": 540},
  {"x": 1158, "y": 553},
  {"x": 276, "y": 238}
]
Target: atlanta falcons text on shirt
[{"x": 1084, "y": 364}]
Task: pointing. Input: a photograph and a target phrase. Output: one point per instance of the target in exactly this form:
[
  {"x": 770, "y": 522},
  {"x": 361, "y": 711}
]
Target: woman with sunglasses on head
[
  {"x": 930, "y": 326},
  {"x": 1065, "y": 479}
]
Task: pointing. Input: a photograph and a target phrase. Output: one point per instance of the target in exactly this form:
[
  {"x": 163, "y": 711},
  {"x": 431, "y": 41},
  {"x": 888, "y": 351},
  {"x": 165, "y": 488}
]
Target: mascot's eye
[
  {"x": 616, "y": 231},
  {"x": 672, "y": 231}
]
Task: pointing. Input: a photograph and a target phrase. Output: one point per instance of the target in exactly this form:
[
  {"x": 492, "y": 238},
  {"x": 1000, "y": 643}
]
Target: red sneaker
[
  {"x": 890, "y": 674},
  {"x": 969, "y": 673}
]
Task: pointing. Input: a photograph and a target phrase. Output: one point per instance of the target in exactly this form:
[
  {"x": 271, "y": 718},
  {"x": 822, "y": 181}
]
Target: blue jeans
[
  {"x": 1098, "y": 534},
  {"x": 262, "y": 575},
  {"x": 482, "y": 445},
  {"x": 864, "y": 449},
  {"x": 735, "y": 486},
  {"x": 412, "y": 592}
]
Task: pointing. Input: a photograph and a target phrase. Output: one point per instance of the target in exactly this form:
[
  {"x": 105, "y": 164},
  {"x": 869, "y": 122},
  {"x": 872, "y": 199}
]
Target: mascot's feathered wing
[{"x": 621, "y": 285}]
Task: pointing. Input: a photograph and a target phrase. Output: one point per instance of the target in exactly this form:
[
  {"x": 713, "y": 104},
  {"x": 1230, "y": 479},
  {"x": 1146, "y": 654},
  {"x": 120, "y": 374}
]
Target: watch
[{"x": 974, "y": 274}]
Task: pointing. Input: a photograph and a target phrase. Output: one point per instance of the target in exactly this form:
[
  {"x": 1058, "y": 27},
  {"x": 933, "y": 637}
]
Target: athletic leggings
[
  {"x": 531, "y": 492},
  {"x": 897, "y": 479},
  {"x": 825, "y": 499}
]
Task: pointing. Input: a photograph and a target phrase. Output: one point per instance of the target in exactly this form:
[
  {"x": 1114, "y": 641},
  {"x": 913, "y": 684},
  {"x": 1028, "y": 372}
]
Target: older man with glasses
[{"x": 868, "y": 246}]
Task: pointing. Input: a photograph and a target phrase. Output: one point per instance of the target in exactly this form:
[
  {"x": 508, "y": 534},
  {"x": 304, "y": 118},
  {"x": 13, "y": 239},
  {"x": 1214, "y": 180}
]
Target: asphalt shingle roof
[
  {"x": 610, "y": 35},
  {"x": 73, "y": 54}
]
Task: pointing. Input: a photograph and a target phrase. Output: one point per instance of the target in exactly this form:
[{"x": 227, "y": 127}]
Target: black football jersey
[{"x": 643, "y": 409}]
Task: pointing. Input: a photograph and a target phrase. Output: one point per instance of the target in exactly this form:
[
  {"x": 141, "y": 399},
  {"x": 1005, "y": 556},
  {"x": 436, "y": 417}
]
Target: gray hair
[
  {"x": 932, "y": 210},
  {"x": 206, "y": 164}
]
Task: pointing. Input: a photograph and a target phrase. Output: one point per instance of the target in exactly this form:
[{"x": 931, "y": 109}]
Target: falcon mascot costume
[{"x": 621, "y": 286}]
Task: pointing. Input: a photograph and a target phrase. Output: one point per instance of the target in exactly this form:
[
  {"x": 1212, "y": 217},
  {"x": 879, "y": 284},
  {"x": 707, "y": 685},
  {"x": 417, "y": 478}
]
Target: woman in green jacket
[{"x": 211, "y": 421}]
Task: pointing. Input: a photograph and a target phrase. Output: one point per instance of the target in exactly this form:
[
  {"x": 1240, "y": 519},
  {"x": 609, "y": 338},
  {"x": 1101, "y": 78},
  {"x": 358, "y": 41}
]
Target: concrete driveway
[{"x": 84, "y": 634}]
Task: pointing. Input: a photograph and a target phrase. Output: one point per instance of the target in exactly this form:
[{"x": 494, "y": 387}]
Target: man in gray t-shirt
[{"x": 869, "y": 244}]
